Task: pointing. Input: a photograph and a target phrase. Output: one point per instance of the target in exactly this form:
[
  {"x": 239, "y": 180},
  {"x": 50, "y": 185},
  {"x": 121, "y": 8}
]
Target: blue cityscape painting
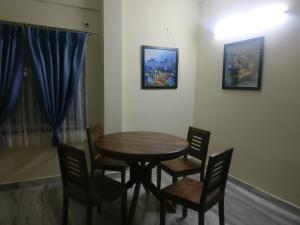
[{"x": 159, "y": 67}]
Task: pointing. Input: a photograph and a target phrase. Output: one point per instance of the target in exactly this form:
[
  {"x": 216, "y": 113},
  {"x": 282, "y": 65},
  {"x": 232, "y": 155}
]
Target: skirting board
[
  {"x": 29, "y": 183},
  {"x": 39, "y": 181},
  {"x": 264, "y": 195}
]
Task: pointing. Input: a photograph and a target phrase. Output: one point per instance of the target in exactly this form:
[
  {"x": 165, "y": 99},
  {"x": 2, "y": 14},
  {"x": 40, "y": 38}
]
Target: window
[{"x": 27, "y": 125}]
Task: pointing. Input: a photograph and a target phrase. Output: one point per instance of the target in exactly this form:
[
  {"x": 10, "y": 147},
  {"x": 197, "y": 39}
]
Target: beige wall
[
  {"x": 168, "y": 23},
  {"x": 112, "y": 19},
  {"x": 263, "y": 126},
  {"x": 18, "y": 164},
  {"x": 23, "y": 164}
]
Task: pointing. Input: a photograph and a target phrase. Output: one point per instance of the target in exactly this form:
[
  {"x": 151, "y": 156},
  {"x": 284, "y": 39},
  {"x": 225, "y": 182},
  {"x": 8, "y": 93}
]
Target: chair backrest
[
  {"x": 216, "y": 178},
  {"x": 73, "y": 166},
  {"x": 93, "y": 133},
  {"x": 198, "y": 143}
]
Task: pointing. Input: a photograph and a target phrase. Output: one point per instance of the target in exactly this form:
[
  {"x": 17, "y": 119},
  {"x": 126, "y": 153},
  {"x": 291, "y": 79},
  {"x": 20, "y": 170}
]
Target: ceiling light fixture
[{"x": 252, "y": 22}]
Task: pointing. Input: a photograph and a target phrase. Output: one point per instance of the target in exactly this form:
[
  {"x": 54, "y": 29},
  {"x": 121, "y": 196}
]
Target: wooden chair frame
[
  {"x": 79, "y": 186},
  {"x": 211, "y": 191},
  {"x": 198, "y": 145},
  {"x": 92, "y": 133}
]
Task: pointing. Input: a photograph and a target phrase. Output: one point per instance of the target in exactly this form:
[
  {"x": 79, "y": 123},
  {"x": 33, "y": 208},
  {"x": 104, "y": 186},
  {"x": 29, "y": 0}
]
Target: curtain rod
[{"x": 48, "y": 27}]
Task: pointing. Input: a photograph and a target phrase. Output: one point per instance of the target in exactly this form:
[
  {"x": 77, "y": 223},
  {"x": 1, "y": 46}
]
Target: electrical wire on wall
[
  {"x": 171, "y": 37},
  {"x": 172, "y": 42}
]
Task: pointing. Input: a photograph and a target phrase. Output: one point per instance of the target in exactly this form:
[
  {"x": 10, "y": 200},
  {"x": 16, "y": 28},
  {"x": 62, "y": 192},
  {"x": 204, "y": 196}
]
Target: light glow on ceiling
[{"x": 254, "y": 21}]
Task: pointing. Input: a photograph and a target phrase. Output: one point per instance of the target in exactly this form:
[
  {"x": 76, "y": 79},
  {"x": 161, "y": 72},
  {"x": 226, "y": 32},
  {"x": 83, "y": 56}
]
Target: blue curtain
[
  {"x": 11, "y": 67},
  {"x": 57, "y": 58}
]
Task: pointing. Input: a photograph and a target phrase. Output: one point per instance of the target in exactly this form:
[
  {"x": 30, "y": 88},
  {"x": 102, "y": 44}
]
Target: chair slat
[
  {"x": 216, "y": 174},
  {"x": 198, "y": 143}
]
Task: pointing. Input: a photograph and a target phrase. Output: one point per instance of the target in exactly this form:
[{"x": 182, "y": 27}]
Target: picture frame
[
  {"x": 159, "y": 67},
  {"x": 242, "y": 64}
]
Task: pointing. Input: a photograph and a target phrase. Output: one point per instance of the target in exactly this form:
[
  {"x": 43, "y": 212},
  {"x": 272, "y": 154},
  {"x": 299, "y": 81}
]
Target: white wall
[
  {"x": 112, "y": 65},
  {"x": 263, "y": 126},
  {"x": 168, "y": 23}
]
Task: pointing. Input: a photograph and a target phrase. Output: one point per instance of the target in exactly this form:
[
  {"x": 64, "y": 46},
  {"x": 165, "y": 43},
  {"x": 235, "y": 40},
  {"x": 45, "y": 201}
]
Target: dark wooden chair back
[
  {"x": 198, "y": 143},
  {"x": 216, "y": 178},
  {"x": 73, "y": 166},
  {"x": 93, "y": 133}
]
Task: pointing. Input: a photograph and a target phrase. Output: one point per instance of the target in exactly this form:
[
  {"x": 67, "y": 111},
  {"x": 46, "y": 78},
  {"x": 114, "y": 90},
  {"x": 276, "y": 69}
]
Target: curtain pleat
[
  {"x": 11, "y": 68},
  {"x": 57, "y": 59},
  {"x": 28, "y": 127}
]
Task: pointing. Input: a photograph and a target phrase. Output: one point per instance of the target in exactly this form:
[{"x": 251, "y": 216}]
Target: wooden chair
[
  {"x": 87, "y": 190},
  {"x": 198, "y": 144},
  {"x": 99, "y": 162},
  {"x": 201, "y": 196}
]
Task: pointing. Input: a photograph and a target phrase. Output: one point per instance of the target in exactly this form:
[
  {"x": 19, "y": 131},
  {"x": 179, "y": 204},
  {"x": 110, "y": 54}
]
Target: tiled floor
[{"x": 41, "y": 205}]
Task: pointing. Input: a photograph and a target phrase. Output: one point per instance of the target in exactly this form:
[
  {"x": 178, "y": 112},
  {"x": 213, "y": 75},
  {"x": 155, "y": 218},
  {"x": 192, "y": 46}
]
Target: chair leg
[
  {"x": 163, "y": 211},
  {"x": 202, "y": 174},
  {"x": 130, "y": 173},
  {"x": 158, "y": 177},
  {"x": 124, "y": 206},
  {"x": 175, "y": 179},
  {"x": 92, "y": 171},
  {"x": 184, "y": 211},
  {"x": 99, "y": 208},
  {"x": 65, "y": 210},
  {"x": 221, "y": 212},
  {"x": 123, "y": 176},
  {"x": 89, "y": 215},
  {"x": 201, "y": 218}
]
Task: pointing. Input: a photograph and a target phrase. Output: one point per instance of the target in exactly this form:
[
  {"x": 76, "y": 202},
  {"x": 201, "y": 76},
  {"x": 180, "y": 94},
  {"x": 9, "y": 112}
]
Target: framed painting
[
  {"x": 159, "y": 67},
  {"x": 242, "y": 65}
]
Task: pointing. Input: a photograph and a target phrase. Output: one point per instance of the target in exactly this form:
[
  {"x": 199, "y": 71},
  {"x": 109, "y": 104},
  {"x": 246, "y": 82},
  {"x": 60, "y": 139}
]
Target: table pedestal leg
[
  {"x": 140, "y": 175},
  {"x": 133, "y": 203}
]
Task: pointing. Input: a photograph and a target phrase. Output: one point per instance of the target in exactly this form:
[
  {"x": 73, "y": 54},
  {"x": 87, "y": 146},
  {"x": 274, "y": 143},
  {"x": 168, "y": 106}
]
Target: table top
[{"x": 141, "y": 146}]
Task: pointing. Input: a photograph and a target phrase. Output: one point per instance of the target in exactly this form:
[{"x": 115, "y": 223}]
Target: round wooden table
[{"x": 142, "y": 151}]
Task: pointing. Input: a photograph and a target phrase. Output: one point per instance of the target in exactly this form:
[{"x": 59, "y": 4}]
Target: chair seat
[
  {"x": 181, "y": 165},
  {"x": 101, "y": 162},
  {"x": 186, "y": 190},
  {"x": 102, "y": 189}
]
